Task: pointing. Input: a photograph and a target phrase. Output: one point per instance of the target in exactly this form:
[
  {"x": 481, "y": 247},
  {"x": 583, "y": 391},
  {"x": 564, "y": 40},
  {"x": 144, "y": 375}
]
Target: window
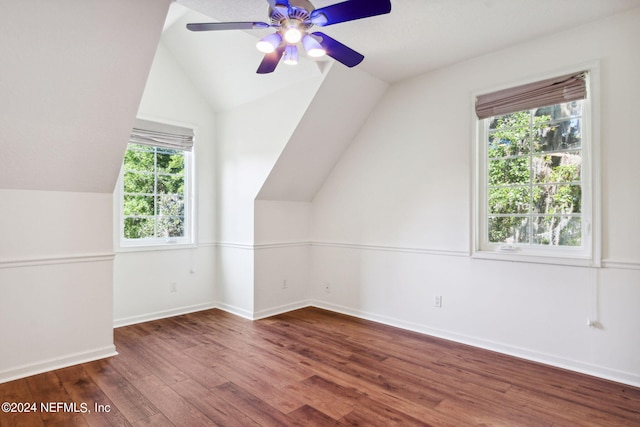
[
  {"x": 156, "y": 203},
  {"x": 534, "y": 175}
]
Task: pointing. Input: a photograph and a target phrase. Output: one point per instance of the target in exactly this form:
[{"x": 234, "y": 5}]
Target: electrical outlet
[
  {"x": 284, "y": 284},
  {"x": 438, "y": 301},
  {"x": 327, "y": 287},
  {"x": 173, "y": 287}
]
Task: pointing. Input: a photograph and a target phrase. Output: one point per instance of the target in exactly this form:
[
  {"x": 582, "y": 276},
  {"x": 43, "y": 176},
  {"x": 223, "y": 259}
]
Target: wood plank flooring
[{"x": 309, "y": 367}]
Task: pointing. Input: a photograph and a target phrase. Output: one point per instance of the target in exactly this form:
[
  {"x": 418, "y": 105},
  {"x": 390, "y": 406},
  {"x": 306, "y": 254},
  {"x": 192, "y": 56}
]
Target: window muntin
[{"x": 155, "y": 195}]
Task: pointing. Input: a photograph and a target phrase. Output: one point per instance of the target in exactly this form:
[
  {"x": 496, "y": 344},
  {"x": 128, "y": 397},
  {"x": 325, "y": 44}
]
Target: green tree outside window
[
  {"x": 534, "y": 177},
  {"x": 154, "y": 192}
]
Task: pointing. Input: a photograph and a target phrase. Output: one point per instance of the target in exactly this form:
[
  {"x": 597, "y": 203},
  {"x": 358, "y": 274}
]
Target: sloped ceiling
[
  {"x": 422, "y": 35},
  {"x": 338, "y": 111},
  {"x": 71, "y": 79},
  {"x": 223, "y": 64},
  {"x": 73, "y": 71},
  {"x": 416, "y": 37}
]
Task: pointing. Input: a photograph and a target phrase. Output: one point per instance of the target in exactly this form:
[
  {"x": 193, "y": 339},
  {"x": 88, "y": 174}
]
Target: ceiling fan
[{"x": 293, "y": 20}]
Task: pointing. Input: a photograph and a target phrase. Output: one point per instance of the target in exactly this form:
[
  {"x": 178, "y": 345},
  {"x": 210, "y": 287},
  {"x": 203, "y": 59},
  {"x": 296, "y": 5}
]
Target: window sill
[
  {"x": 574, "y": 261},
  {"x": 151, "y": 247}
]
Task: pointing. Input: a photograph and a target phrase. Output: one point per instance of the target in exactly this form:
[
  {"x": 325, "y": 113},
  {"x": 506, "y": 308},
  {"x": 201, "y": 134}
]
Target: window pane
[
  {"x": 559, "y": 199},
  {"x": 138, "y": 228},
  {"x": 563, "y": 135},
  {"x": 154, "y": 185},
  {"x": 557, "y": 231},
  {"x": 514, "y": 120},
  {"x": 557, "y": 167},
  {"x": 171, "y": 216},
  {"x": 138, "y": 183},
  {"x": 170, "y": 161},
  {"x": 511, "y": 142},
  {"x": 170, "y": 226},
  {"x": 561, "y": 111},
  {"x": 509, "y": 171},
  {"x": 170, "y": 184},
  {"x": 171, "y": 205},
  {"x": 138, "y": 205},
  {"x": 534, "y": 172},
  {"x": 139, "y": 158},
  {"x": 509, "y": 200},
  {"x": 508, "y": 230},
  {"x": 510, "y": 135}
]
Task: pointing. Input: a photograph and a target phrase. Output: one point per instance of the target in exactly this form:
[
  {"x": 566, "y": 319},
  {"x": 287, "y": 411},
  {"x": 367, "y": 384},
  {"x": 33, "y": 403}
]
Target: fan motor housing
[{"x": 300, "y": 8}]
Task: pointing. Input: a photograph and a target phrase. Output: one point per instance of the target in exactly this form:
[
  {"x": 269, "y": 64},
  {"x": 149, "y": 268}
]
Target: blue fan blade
[
  {"x": 338, "y": 51},
  {"x": 270, "y": 61},
  {"x": 218, "y": 26},
  {"x": 349, "y": 11}
]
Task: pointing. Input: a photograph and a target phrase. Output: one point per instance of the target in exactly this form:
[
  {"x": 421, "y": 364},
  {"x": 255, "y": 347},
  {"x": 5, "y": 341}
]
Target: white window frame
[
  {"x": 589, "y": 254},
  {"x": 188, "y": 240}
]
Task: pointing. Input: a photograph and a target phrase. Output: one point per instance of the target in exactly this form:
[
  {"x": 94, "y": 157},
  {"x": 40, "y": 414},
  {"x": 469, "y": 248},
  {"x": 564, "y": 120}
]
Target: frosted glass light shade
[
  {"x": 293, "y": 35},
  {"x": 313, "y": 48},
  {"x": 269, "y": 43},
  {"x": 290, "y": 55}
]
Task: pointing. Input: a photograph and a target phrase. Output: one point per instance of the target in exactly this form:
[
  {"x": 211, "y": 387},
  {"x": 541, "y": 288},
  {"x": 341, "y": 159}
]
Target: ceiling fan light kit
[
  {"x": 290, "y": 55},
  {"x": 292, "y": 34},
  {"x": 293, "y": 19},
  {"x": 313, "y": 47},
  {"x": 269, "y": 43}
]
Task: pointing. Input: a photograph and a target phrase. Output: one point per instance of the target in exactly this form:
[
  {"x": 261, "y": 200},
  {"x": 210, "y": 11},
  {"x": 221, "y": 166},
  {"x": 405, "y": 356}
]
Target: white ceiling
[
  {"x": 421, "y": 35},
  {"x": 222, "y": 64},
  {"x": 416, "y": 37}
]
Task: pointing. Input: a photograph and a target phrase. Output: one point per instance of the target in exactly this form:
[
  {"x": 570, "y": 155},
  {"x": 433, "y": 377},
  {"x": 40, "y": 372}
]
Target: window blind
[
  {"x": 557, "y": 90},
  {"x": 162, "y": 135}
]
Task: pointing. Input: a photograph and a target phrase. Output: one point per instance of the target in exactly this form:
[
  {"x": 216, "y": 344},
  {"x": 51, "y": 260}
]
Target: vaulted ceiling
[
  {"x": 416, "y": 37},
  {"x": 73, "y": 71}
]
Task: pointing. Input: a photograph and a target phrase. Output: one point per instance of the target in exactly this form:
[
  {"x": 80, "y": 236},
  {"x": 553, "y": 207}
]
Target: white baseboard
[
  {"x": 57, "y": 363},
  {"x": 132, "y": 320},
  {"x": 280, "y": 309},
  {"x": 148, "y": 317},
  {"x": 522, "y": 353},
  {"x": 235, "y": 310}
]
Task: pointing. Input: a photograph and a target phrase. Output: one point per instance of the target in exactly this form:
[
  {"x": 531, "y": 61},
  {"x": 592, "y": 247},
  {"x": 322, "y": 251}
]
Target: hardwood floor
[{"x": 310, "y": 367}]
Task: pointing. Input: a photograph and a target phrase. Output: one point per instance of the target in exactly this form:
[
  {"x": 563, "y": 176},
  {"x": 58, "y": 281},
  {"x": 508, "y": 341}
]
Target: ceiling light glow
[
  {"x": 293, "y": 35},
  {"x": 313, "y": 48},
  {"x": 269, "y": 43}
]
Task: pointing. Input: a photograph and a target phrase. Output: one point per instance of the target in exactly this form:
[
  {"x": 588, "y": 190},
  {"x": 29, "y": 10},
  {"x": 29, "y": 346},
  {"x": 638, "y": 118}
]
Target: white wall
[
  {"x": 249, "y": 140},
  {"x": 70, "y": 87},
  {"x": 142, "y": 278},
  {"x": 282, "y": 256},
  {"x": 391, "y": 225},
  {"x": 283, "y": 207},
  {"x": 55, "y": 280}
]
